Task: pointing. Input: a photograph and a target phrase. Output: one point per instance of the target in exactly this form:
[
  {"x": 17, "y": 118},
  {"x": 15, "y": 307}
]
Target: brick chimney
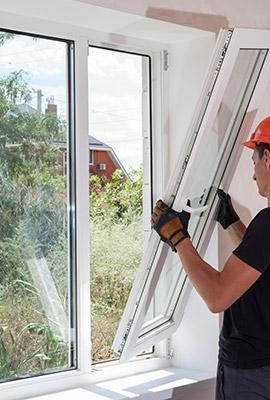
[{"x": 51, "y": 107}]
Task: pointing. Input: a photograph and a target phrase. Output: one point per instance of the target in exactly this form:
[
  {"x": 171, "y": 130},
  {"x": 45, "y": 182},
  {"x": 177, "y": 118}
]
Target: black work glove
[
  {"x": 170, "y": 224},
  {"x": 185, "y": 217},
  {"x": 226, "y": 214}
]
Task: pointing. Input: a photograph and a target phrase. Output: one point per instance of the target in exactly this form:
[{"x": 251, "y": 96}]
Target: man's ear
[{"x": 266, "y": 157}]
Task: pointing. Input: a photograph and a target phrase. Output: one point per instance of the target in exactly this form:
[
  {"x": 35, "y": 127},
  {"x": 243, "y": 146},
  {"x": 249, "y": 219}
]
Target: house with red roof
[{"x": 103, "y": 160}]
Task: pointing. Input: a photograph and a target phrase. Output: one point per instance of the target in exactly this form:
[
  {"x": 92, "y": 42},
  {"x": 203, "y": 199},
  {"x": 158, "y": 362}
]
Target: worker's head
[{"x": 260, "y": 143}]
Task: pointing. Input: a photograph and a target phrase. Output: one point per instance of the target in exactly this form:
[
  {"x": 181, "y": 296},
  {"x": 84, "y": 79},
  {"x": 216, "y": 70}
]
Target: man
[{"x": 241, "y": 289}]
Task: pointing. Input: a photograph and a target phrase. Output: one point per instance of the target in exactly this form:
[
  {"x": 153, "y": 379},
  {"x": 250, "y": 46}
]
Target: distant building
[
  {"x": 26, "y": 108},
  {"x": 51, "y": 107},
  {"x": 102, "y": 159},
  {"x": 50, "y": 110}
]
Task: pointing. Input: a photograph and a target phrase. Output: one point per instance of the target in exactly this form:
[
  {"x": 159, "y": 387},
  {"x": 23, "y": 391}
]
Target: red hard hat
[{"x": 260, "y": 135}]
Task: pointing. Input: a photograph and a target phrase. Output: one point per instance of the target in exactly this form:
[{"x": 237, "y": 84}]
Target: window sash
[{"x": 132, "y": 337}]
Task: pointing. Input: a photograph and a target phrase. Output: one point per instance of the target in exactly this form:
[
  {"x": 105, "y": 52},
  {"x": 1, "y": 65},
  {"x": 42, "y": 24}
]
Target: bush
[{"x": 120, "y": 198}]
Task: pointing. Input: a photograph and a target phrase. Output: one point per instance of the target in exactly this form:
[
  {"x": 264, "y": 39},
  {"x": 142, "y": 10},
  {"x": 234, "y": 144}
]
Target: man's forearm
[
  {"x": 236, "y": 232},
  {"x": 204, "y": 278}
]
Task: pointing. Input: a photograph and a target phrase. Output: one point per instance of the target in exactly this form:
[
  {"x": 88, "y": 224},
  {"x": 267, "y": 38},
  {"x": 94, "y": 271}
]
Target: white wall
[{"x": 188, "y": 66}]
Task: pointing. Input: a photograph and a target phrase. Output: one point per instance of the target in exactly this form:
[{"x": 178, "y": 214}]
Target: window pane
[
  {"x": 118, "y": 183},
  {"x": 35, "y": 295},
  {"x": 206, "y": 175}
]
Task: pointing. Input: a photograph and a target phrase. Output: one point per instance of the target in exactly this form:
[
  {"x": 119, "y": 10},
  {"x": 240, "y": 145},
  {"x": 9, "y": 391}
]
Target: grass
[
  {"x": 27, "y": 344},
  {"x": 116, "y": 251}
]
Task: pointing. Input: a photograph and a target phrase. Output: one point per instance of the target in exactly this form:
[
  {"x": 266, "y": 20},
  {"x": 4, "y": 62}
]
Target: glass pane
[
  {"x": 205, "y": 177},
  {"x": 35, "y": 306},
  {"x": 117, "y": 189}
]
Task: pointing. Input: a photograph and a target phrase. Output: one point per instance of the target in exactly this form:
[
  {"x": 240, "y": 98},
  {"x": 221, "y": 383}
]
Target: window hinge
[
  {"x": 169, "y": 349},
  {"x": 223, "y": 52},
  {"x": 124, "y": 339},
  {"x": 165, "y": 60},
  {"x": 184, "y": 165}
]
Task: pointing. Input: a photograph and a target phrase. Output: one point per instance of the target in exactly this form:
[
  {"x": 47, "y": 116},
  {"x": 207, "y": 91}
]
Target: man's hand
[
  {"x": 169, "y": 224},
  {"x": 226, "y": 215}
]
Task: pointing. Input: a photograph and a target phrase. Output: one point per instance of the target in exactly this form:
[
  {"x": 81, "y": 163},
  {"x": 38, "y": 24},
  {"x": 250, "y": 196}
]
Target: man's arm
[
  {"x": 236, "y": 232},
  {"x": 218, "y": 289}
]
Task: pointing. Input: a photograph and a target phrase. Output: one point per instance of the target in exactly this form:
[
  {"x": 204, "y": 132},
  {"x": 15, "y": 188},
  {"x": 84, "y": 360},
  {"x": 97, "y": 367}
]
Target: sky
[{"x": 115, "y": 89}]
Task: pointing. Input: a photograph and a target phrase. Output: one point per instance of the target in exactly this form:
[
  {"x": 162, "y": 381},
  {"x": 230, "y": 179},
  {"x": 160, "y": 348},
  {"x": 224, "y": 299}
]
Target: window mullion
[{"x": 82, "y": 199}]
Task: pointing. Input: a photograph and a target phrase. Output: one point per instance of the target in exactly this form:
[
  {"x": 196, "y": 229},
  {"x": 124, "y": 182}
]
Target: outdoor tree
[{"x": 29, "y": 159}]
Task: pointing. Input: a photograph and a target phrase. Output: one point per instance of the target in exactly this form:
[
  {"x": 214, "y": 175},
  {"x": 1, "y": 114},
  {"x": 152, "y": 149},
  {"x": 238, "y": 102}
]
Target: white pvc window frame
[
  {"x": 131, "y": 338},
  {"x": 84, "y": 374}
]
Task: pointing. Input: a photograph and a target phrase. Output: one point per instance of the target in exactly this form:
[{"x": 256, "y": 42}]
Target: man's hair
[{"x": 261, "y": 147}]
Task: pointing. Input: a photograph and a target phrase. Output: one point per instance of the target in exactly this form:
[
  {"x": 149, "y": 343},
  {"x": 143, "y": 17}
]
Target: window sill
[
  {"x": 159, "y": 384},
  {"x": 35, "y": 387}
]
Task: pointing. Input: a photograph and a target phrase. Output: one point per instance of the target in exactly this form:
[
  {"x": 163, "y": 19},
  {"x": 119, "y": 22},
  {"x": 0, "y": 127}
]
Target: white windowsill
[
  {"x": 161, "y": 384},
  {"x": 23, "y": 389}
]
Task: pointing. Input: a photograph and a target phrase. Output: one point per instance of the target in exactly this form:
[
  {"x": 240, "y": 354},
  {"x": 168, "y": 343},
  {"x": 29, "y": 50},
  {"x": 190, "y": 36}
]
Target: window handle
[{"x": 191, "y": 210}]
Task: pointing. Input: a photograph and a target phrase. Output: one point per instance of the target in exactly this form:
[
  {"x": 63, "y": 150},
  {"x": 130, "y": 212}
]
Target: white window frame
[
  {"x": 152, "y": 138},
  {"x": 91, "y": 157},
  {"x": 35, "y": 386},
  {"x": 130, "y": 340},
  {"x": 102, "y": 167}
]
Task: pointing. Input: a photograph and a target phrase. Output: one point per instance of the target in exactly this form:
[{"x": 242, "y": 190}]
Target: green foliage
[
  {"x": 5, "y": 36},
  {"x": 11, "y": 262},
  {"x": 28, "y": 149},
  {"x": 49, "y": 353},
  {"x": 120, "y": 198},
  {"x": 116, "y": 251},
  {"x": 10, "y": 207},
  {"x": 14, "y": 87},
  {"x": 28, "y": 141},
  {"x": 44, "y": 218},
  {"x": 33, "y": 188}
]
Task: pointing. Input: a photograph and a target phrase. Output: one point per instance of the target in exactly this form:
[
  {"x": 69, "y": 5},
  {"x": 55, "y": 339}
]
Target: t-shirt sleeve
[{"x": 254, "y": 249}]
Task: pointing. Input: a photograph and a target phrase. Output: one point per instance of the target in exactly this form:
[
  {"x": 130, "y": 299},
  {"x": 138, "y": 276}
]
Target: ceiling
[{"x": 210, "y": 15}]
